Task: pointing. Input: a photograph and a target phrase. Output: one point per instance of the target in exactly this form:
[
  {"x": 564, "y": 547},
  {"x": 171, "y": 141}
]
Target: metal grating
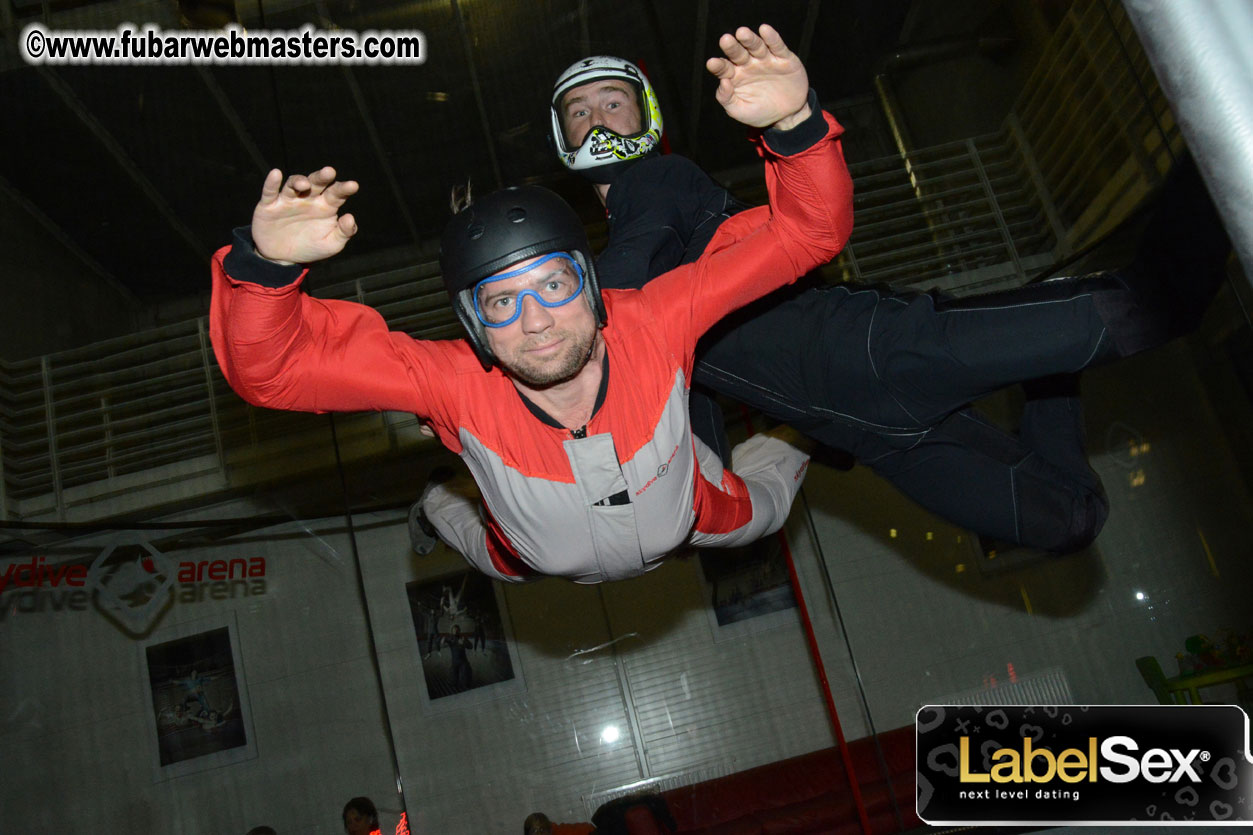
[{"x": 1047, "y": 687}]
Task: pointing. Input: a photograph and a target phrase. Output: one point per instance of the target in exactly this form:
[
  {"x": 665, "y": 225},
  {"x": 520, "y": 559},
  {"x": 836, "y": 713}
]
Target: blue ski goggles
[{"x": 495, "y": 309}]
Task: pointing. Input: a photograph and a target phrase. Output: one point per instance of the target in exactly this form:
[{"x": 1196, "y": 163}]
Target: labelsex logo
[{"x": 1156, "y": 765}]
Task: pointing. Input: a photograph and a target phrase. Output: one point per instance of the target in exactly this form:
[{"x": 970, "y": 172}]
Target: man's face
[
  {"x": 611, "y": 103},
  {"x": 545, "y": 345}
]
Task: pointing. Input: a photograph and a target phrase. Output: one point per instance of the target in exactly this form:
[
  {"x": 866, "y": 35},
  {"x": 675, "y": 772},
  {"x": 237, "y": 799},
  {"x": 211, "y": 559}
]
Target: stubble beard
[{"x": 556, "y": 369}]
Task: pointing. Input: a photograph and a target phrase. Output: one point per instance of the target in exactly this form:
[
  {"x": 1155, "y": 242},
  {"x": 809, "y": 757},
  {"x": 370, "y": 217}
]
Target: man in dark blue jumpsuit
[{"x": 889, "y": 377}]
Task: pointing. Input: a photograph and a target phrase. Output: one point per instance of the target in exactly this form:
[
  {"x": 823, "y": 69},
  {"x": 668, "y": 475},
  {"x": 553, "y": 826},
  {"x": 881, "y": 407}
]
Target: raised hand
[
  {"x": 300, "y": 222},
  {"x": 760, "y": 81}
]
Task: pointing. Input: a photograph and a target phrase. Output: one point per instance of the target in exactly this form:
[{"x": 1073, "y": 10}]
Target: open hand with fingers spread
[
  {"x": 300, "y": 222},
  {"x": 761, "y": 82}
]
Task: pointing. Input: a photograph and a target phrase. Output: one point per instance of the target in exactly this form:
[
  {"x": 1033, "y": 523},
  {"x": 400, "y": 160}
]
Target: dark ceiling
[{"x": 145, "y": 169}]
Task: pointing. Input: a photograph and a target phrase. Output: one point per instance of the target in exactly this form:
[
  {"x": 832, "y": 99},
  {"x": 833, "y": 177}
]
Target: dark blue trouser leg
[
  {"x": 708, "y": 423},
  {"x": 861, "y": 369},
  {"x": 977, "y": 476},
  {"x": 888, "y": 378}
]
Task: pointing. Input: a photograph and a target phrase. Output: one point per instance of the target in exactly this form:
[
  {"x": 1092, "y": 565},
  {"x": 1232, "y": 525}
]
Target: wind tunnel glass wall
[
  {"x": 213, "y": 675},
  {"x": 277, "y": 649},
  {"x": 1089, "y": 135},
  {"x": 247, "y": 666}
]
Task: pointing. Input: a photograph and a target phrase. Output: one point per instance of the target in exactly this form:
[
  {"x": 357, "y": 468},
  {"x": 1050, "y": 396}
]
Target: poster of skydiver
[
  {"x": 748, "y": 583},
  {"x": 198, "y": 710},
  {"x": 463, "y": 642}
]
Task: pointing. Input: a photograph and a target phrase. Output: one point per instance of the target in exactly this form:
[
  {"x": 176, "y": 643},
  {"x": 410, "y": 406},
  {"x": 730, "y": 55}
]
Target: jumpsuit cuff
[
  {"x": 807, "y": 134},
  {"x": 243, "y": 263}
]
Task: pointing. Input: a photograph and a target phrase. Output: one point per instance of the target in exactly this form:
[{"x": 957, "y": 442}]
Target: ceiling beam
[
  {"x": 115, "y": 149},
  {"x": 52, "y": 228},
  {"x": 585, "y": 32},
  {"x": 698, "y": 74},
  {"x": 478, "y": 93},
  {"x": 381, "y": 153},
  {"x": 231, "y": 115},
  {"x": 807, "y": 32},
  {"x": 371, "y": 129}
]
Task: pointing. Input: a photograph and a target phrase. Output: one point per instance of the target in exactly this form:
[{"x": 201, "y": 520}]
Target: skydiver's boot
[
  {"x": 422, "y": 535},
  {"x": 1179, "y": 266}
]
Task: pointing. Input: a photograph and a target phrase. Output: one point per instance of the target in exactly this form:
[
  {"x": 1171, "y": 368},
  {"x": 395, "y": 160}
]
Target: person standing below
[
  {"x": 360, "y": 817},
  {"x": 430, "y": 628},
  {"x": 537, "y": 823},
  {"x": 480, "y": 632},
  {"x": 459, "y": 669}
]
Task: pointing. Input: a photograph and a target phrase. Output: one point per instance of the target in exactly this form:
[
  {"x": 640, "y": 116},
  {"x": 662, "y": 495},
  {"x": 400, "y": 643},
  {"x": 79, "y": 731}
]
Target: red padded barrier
[{"x": 805, "y": 794}]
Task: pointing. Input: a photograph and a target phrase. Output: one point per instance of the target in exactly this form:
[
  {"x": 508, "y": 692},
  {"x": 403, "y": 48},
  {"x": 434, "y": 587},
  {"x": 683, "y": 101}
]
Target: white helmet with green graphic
[{"x": 603, "y": 149}]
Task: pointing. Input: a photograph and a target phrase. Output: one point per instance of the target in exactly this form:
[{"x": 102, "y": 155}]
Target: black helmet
[{"x": 500, "y": 230}]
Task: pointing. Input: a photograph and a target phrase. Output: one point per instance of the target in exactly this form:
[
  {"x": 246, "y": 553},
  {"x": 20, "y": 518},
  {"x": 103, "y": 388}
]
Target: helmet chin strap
[{"x": 591, "y": 349}]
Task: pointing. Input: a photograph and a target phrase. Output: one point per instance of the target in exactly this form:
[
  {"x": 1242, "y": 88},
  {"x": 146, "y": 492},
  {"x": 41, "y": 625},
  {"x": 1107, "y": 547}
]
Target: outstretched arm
[
  {"x": 281, "y": 349},
  {"x": 810, "y": 216}
]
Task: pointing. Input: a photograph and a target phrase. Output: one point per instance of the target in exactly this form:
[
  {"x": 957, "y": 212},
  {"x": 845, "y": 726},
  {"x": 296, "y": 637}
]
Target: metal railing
[{"x": 959, "y": 209}]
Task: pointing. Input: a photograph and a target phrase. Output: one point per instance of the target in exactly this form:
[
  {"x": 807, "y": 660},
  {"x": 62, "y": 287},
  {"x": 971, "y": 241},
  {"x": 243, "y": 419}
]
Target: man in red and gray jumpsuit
[{"x": 577, "y": 432}]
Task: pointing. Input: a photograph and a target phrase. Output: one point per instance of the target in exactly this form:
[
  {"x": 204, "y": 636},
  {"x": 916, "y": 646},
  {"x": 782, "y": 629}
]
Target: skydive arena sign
[
  {"x": 1099, "y": 765},
  {"x": 130, "y": 581}
]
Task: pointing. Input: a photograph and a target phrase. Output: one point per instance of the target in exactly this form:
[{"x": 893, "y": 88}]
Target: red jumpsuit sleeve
[
  {"x": 281, "y": 349},
  {"x": 807, "y": 223}
]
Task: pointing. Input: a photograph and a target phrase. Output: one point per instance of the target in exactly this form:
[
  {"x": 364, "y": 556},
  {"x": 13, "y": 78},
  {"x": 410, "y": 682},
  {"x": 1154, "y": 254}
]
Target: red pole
[{"x": 812, "y": 640}]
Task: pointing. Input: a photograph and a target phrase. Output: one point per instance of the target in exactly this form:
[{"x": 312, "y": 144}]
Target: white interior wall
[
  {"x": 589, "y": 657},
  {"x": 924, "y": 622},
  {"x": 75, "y": 709}
]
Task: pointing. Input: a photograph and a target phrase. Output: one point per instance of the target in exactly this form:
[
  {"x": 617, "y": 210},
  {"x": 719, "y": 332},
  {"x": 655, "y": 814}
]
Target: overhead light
[{"x": 610, "y": 734}]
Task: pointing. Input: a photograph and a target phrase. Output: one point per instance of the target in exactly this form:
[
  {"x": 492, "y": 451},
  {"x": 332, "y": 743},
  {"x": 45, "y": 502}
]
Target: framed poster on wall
[
  {"x": 748, "y": 588},
  {"x": 465, "y": 645},
  {"x": 197, "y": 698}
]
